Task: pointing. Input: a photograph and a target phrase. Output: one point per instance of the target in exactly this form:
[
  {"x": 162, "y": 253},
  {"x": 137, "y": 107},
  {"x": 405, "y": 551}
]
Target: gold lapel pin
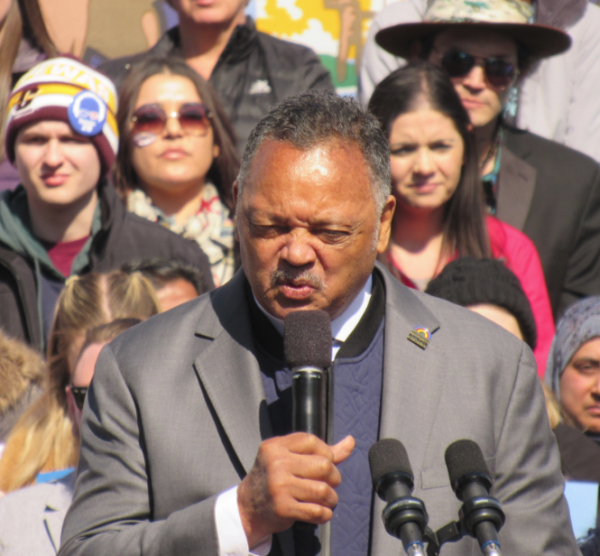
[{"x": 419, "y": 336}]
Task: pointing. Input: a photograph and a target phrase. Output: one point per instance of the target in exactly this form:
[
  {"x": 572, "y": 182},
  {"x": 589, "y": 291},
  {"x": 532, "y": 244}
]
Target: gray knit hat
[{"x": 580, "y": 324}]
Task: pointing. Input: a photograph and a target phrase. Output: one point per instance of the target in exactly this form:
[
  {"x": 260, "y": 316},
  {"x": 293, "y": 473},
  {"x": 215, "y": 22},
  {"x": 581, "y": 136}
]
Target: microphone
[
  {"x": 404, "y": 517},
  {"x": 481, "y": 514},
  {"x": 307, "y": 349}
]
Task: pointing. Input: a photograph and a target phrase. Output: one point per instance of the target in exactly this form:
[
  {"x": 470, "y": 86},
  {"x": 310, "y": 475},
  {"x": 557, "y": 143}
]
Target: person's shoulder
[
  {"x": 29, "y": 498},
  {"x": 505, "y": 236},
  {"x": 520, "y": 141},
  {"x": 117, "y": 68},
  {"x": 151, "y": 233},
  {"x": 455, "y": 319},
  {"x": 204, "y": 317},
  {"x": 291, "y": 53}
]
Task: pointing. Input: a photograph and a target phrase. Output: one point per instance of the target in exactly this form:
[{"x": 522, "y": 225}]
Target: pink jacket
[{"x": 518, "y": 253}]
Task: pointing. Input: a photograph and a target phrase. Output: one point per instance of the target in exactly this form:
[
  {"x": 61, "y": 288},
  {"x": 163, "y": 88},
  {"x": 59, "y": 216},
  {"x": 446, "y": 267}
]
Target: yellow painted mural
[{"x": 335, "y": 29}]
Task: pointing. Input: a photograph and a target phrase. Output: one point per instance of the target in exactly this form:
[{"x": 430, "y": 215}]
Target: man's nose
[
  {"x": 298, "y": 250},
  {"x": 475, "y": 79},
  {"x": 54, "y": 155}
]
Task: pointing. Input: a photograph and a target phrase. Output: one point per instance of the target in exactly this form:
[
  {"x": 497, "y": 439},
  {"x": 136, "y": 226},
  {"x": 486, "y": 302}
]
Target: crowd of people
[{"x": 221, "y": 162}]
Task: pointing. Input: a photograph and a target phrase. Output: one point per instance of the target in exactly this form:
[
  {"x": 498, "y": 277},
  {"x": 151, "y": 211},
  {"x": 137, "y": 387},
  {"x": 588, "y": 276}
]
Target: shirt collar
[{"x": 342, "y": 326}]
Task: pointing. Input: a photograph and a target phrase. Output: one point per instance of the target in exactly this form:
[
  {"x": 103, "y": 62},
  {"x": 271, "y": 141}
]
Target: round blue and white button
[{"x": 87, "y": 113}]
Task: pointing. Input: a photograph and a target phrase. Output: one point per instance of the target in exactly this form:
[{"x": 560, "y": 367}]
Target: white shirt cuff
[{"x": 230, "y": 531}]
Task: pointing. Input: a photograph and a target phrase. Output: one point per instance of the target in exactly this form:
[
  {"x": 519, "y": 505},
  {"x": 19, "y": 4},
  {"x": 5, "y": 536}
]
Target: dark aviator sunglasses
[{"x": 499, "y": 73}]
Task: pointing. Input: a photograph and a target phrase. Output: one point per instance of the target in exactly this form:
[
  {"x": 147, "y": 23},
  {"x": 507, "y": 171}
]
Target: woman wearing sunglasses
[
  {"x": 177, "y": 161},
  {"x": 546, "y": 190},
  {"x": 440, "y": 214},
  {"x": 42, "y": 442}
]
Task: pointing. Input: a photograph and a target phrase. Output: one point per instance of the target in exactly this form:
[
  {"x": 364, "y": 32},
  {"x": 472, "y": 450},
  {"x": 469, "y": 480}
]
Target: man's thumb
[{"x": 342, "y": 449}]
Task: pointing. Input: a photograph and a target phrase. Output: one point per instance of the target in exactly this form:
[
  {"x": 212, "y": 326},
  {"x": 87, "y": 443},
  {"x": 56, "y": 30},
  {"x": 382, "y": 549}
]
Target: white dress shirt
[{"x": 230, "y": 532}]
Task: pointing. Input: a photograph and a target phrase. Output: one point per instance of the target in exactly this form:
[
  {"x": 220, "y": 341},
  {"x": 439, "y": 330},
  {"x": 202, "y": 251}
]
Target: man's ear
[{"x": 385, "y": 224}]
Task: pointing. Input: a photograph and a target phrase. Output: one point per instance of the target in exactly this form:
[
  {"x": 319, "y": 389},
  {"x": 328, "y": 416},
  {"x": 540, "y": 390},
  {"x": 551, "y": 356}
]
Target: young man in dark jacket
[
  {"x": 251, "y": 71},
  {"x": 65, "y": 219}
]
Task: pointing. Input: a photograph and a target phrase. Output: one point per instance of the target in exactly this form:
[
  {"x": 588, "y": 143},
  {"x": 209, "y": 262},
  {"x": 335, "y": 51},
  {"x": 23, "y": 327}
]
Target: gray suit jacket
[
  {"x": 31, "y": 519},
  {"x": 176, "y": 413}
]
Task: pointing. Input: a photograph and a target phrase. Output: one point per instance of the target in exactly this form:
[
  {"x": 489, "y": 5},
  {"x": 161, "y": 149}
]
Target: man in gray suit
[{"x": 186, "y": 444}]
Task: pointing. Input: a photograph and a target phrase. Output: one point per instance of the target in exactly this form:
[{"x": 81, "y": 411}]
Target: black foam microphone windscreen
[
  {"x": 464, "y": 457},
  {"x": 388, "y": 456},
  {"x": 404, "y": 517},
  {"x": 481, "y": 515},
  {"x": 307, "y": 339}
]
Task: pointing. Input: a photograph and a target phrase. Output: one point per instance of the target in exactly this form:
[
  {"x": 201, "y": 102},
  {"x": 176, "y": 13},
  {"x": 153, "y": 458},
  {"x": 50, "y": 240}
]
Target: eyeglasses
[
  {"x": 194, "y": 119},
  {"x": 499, "y": 73},
  {"x": 79, "y": 393}
]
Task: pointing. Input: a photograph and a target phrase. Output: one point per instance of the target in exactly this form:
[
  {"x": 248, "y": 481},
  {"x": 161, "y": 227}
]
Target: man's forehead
[
  {"x": 326, "y": 176},
  {"x": 50, "y": 128},
  {"x": 476, "y": 40},
  {"x": 319, "y": 160}
]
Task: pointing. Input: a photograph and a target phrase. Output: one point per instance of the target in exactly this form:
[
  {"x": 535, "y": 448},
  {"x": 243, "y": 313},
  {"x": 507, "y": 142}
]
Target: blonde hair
[
  {"x": 42, "y": 439},
  {"x": 552, "y": 407}
]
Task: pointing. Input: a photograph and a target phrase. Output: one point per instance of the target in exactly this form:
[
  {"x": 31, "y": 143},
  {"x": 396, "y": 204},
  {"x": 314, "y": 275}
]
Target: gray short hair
[{"x": 314, "y": 118}]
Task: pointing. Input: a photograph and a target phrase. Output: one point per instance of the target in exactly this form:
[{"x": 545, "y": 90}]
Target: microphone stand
[{"x": 325, "y": 529}]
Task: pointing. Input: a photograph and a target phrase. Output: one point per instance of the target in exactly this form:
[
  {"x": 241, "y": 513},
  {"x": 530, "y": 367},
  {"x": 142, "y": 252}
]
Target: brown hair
[
  {"x": 42, "y": 439},
  {"x": 225, "y": 166},
  {"x": 23, "y": 20},
  {"x": 464, "y": 223}
]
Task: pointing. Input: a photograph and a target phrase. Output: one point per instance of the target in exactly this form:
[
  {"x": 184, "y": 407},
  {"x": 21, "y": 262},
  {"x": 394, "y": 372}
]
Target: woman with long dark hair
[
  {"x": 440, "y": 213},
  {"x": 177, "y": 159}
]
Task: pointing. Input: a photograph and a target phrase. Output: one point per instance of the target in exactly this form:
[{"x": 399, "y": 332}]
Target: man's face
[
  {"x": 207, "y": 12},
  {"x": 56, "y": 166},
  {"x": 483, "y": 102},
  {"x": 308, "y": 227},
  {"x": 580, "y": 387}
]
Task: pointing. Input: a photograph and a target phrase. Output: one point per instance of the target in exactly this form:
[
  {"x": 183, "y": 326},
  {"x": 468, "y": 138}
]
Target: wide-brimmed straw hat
[{"x": 509, "y": 17}]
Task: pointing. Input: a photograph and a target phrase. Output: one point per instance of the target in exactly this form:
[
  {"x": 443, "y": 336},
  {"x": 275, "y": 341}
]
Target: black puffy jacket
[
  {"x": 122, "y": 238},
  {"x": 254, "y": 73}
]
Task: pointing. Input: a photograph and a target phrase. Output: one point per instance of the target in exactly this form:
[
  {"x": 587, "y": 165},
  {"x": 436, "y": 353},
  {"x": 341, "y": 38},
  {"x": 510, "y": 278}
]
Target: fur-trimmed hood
[{"x": 20, "y": 368}]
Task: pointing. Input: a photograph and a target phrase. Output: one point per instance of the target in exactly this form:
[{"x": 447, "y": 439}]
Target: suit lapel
[
  {"x": 231, "y": 378},
  {"x": 412, "y": 384},
  {"x": 229, "y": 372},
  {"x": 516, "y": 187}
]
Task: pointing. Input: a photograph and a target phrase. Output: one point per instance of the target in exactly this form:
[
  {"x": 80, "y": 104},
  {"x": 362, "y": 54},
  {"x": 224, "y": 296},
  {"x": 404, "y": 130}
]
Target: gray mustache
[{"x": 292, "y": 275}]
